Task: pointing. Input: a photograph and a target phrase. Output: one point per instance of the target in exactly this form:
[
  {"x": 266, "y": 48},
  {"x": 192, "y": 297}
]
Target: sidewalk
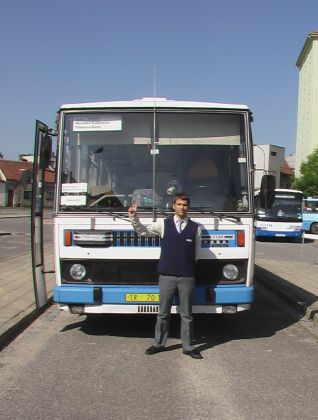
[
  {"x": 14, "y": 212},
  {"x": 294, "y": 281},
  {"x": 17, "y": 301}
]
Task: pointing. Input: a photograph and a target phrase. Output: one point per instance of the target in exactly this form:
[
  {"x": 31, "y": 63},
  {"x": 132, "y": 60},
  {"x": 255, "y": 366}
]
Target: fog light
[
  {"x": 230, "y": 272},
  {"x": 78, "y": 271}
]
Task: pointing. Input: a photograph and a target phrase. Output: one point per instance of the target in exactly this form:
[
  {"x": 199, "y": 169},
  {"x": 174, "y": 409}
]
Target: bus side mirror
[
  {"x": 46, "y": 151},
  {"x": 267, "y": 191}
]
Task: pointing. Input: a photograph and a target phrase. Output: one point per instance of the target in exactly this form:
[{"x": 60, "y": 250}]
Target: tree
[{"x": 307, "y": 182}]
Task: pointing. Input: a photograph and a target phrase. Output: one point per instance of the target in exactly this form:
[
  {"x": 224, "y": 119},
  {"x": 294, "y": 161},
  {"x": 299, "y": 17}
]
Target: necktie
[{"x": 179, "y": 225}]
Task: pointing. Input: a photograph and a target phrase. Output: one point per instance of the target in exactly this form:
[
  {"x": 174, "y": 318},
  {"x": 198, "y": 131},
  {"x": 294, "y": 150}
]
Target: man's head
[{"x": 181, "y": 205}]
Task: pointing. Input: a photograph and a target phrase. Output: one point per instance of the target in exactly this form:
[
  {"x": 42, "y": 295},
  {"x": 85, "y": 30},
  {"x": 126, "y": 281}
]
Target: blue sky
[{"x": 66, "y": 51}]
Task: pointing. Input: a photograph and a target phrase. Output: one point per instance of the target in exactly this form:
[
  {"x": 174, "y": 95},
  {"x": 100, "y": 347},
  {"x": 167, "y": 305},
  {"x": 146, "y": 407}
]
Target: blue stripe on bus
[
  {"x": 218, "y": 238},
  {"x": 83, "y": 294},
  {"x": 278, "y": 233}
]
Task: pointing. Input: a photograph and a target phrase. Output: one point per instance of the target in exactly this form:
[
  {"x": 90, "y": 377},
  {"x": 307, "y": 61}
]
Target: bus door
[{"x": 42, "y": 156}]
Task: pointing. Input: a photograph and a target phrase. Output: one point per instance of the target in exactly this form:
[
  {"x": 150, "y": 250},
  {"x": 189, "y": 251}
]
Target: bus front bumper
[{"x": 145, "y": 299}]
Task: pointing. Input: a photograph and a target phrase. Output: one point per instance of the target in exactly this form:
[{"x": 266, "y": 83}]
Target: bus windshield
[
  {"x": 286, "y": 205},
  {"x": 110, "y": 159}
]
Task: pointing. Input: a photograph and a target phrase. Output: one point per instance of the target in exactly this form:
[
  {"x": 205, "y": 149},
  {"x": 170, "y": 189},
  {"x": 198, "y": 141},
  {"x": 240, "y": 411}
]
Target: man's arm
[
  {"x": 152, "y": 230},
  {"x": 198, "y": 242}
]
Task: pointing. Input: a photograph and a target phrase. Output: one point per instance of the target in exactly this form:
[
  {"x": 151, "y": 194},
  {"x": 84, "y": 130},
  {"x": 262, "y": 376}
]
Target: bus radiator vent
[{"x": 148, "y": 309}]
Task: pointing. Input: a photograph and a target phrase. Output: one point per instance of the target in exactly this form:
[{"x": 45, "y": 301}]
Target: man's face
[{"x": 181, "y": 208}]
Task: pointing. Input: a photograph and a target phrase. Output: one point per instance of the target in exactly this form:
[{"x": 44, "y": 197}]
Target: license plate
[
  {"x": 142, "y": 297},
  {"x": 281, "y": 235}
]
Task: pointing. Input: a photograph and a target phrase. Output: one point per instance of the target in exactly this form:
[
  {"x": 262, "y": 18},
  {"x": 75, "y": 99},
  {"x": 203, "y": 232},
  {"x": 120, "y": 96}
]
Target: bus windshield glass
[
  {"x": 110, "y": 159},
  {"x": 285, "y": 206}
]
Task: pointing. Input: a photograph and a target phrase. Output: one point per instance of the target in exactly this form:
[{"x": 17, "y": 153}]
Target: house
[
  {"x": 286, "y": 176},
  {"x": 16, "y": 184},
  {"x": 270, "y": 159}
]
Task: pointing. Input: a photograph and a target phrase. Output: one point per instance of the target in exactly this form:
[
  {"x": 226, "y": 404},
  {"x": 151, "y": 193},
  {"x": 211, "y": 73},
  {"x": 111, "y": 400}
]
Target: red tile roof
[
  {"x": 286, "y": 169},
  {"x": 12, "y": 170}
]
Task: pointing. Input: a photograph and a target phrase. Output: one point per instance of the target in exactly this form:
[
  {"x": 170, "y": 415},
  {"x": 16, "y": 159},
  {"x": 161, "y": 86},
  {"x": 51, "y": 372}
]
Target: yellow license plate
[{"x": 142, "y": 297}]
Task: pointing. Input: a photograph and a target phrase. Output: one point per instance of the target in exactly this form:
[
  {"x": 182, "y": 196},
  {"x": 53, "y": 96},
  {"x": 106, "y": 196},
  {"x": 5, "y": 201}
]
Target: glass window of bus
[
  {"x": 286, "y": 204},
  {"x": 108, "y": 160},
  {"x": 310, "y": 205}
]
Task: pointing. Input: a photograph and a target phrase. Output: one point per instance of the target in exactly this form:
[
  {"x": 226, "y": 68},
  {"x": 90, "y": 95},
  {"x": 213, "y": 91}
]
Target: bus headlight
[
  {"x": 78, "y": 272},
  {"x": 230, "y": 272}
]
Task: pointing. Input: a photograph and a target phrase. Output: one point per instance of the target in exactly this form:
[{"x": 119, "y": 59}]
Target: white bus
[
  {"x": 285, "y": 217},
  {"x": 146, "y": 150}
]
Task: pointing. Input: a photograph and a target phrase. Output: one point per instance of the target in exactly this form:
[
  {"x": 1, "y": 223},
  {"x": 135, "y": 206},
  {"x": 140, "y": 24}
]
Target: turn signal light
[
  {"x": 240, "y": 238},
  {"x": 67, "y": 237}
]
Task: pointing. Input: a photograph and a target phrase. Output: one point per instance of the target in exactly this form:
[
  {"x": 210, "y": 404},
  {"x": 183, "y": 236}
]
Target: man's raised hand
[{"x": 132, "y": 211}]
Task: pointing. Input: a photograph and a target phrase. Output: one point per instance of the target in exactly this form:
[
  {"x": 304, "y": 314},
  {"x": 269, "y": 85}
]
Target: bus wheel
[{"x": 314, "y": 228}]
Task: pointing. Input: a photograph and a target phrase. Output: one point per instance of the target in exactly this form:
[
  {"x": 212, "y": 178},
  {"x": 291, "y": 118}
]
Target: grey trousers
[{"x": 168, "y": 286}]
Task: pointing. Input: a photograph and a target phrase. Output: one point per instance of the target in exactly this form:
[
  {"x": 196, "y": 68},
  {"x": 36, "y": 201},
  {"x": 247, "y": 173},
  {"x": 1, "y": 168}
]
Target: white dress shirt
[{"x": 158, "y": 227}]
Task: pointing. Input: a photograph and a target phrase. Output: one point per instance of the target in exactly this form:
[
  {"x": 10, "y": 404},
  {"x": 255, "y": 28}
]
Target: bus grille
[
  {"x": 148, "y": 309},
  {"x": 131, "y": 238},
  {"x": 144, "y": 272}
]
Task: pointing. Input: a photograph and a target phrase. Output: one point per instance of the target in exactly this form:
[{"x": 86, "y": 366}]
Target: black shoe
[
  {"x": 192, "y": 353},
  {"x": 154, "y": 350}
]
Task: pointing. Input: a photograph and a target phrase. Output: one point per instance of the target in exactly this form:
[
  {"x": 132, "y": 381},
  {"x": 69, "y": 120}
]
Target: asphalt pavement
[{"x": 294, "y": 281}]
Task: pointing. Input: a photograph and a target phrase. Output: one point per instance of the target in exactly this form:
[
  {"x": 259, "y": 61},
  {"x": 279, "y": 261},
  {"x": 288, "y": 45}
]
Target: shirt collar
[{"x": 176, "y": 218}]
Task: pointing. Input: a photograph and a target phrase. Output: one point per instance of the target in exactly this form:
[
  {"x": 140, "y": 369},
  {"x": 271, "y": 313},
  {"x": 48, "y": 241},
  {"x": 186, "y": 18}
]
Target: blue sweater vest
[{"x": 178, "y": 250}]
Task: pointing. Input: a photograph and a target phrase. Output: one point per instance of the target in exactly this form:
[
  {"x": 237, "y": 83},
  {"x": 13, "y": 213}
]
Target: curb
[
  {"x": 14, "y": 217},
  {"x": 305, "y": 302}
]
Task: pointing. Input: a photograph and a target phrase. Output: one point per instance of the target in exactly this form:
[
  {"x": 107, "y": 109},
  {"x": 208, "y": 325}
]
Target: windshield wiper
[{"x": 220, "y": 215}]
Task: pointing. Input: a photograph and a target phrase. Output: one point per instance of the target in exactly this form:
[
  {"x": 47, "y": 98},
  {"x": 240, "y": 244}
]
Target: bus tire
[{"x": 314, "y": 228}]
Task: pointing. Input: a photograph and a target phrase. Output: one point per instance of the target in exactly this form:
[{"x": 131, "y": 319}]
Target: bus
[
  {"x": 283, "y": 219},
  {"x": 310, "y": 215},
  {"x": 111, "y": 154}
]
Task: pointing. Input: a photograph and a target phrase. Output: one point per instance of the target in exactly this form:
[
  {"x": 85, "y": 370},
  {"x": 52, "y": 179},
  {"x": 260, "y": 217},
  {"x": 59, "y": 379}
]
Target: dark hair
[{"x": 181, "y": 196}]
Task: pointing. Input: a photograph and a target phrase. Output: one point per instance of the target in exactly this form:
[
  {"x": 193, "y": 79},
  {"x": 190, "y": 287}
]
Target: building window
[
  {"x": 27, "y": 195},
  {"x": 50, "y": 196},
  {"x": 273, "y": 153}
]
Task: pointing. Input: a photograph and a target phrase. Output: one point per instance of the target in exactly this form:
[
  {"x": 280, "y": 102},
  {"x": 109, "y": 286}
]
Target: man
[{"x": 180, "y": 241}]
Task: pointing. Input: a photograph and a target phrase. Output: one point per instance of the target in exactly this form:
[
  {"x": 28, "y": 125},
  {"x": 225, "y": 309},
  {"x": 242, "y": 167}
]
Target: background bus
[
  {"x": 147, "y": 150},
  {"x": 310, "y": 215},
  {"x": 283, "y": 219}
]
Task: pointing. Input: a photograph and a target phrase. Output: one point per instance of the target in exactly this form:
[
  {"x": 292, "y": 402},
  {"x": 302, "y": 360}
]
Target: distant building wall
[
  {"x": 2, "y": 194},
  {"x": 268, "y": 159},
  {"x": 307, "y": 121}
]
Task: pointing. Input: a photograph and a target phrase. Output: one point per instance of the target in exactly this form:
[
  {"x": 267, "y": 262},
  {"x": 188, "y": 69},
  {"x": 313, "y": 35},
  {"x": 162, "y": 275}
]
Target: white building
[
  {"x": 268, "y": 159},
  {"x": 291, "y": 160},
  {"x": 307, "y": 121}
]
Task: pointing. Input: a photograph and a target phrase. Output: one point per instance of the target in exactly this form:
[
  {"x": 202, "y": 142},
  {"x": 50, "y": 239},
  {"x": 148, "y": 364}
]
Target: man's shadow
[{"x": 264, "y": 319}]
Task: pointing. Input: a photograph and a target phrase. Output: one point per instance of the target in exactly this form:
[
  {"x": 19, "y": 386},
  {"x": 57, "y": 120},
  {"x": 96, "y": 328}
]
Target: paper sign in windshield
[
  {"x": 73, "y": 200},
  {"x": 104, "y": 125},
  {"x": 76, "y": 187}
]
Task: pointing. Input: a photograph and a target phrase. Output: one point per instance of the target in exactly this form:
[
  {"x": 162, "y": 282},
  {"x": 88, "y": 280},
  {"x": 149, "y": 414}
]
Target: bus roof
[
  {"x": 154, "y": 103},
  {"x": 314, "y": 199},
  {"x": 281, "y": 190},
  {"x": 287, "y": 190}
]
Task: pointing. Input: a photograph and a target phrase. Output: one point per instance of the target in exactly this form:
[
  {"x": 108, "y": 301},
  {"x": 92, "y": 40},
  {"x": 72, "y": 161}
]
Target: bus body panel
[
  {"x": 309, "y": 219},
  {"x": 310, "y": 215},
  {"x": 279, "y": 230},
  {"x": 224, "y": 249}
]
